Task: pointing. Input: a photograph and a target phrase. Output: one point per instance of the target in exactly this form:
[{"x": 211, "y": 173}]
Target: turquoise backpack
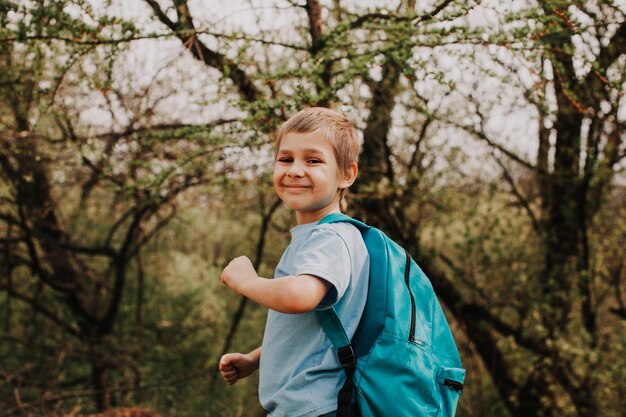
[{"x": 402, "y": 360}]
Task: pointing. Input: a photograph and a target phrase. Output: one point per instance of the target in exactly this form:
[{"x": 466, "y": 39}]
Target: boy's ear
[{"x": 349, "y": 175}]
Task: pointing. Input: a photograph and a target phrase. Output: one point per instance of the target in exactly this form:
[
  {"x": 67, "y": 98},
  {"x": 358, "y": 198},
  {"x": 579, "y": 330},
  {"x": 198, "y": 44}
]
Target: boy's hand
[
  {"x": 235, "y": 366},
  {"x": 237, "y": 273}
]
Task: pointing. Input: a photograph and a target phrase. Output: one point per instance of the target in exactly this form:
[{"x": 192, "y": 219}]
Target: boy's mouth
[{"x": 296, "y": 186}]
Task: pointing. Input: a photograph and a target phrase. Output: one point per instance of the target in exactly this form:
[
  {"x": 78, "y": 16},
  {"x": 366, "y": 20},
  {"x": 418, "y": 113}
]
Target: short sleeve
[{"x": 325, "y": 255}]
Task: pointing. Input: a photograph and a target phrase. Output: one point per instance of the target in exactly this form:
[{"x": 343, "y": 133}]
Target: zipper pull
[
  {"x": 416, "y": 341},
  {"x": 457, "y": 386}
]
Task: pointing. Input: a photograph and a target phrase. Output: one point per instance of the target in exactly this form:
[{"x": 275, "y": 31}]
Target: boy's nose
[{"x": 295, "y": 170}]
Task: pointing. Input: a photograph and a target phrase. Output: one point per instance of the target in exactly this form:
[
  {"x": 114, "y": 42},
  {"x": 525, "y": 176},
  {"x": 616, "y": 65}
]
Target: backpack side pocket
[
  {"x": 397, "y": 379},
  {"x": 450, "y": 385}
]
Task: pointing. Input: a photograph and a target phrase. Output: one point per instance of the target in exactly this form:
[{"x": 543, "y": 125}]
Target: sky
[{"x": 194, "y": 97}]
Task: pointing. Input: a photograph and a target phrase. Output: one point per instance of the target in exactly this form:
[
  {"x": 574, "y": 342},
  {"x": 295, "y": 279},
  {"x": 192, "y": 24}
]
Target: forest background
[{"x": 135, "y": 160}]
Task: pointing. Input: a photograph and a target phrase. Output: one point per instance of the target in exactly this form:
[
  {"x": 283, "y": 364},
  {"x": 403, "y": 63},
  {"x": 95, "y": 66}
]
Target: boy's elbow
[
  {"x": 297, "y": 305},
  {"x": 298, "y": 299}
]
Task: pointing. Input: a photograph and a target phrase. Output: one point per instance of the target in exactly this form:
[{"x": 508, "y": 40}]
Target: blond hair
[{"x": 331, "y": 125}]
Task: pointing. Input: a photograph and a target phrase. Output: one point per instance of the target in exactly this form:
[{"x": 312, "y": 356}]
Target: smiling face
[{"x": 307, "y": 177}]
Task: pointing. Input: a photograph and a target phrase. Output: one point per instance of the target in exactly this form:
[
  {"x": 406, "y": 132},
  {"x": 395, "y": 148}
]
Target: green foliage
[{"x": 161, "y": 198}]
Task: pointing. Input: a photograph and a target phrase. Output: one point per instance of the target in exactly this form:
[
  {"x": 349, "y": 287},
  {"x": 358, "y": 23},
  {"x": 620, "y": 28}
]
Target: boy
[{"x": 324, "y": 266}]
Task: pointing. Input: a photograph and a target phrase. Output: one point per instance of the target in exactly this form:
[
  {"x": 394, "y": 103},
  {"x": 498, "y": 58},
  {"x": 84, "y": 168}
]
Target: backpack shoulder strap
[
  {"x": 340, "y": 217},
  {"x": 334, "y": 330},
  {"x": 328, "y": 319},
  {"x": 330, "y": 322}
]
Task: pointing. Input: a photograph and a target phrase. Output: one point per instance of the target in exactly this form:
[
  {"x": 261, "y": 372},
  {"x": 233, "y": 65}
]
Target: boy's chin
[
  {"x": 313, "y": 210},
  {"x": 311, "y": 207}
]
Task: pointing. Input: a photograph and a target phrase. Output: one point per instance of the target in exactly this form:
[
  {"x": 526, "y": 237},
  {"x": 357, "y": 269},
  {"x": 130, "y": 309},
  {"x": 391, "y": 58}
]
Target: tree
[
  {"x": 577, "y": 108},
  {"x": 580, "y": 140},
  {"x": 78, "y": 207},
  {"x": 527, "y": 286}
]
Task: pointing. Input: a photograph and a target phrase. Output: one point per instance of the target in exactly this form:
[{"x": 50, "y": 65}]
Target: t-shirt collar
[{"x": 301, "y": 229}]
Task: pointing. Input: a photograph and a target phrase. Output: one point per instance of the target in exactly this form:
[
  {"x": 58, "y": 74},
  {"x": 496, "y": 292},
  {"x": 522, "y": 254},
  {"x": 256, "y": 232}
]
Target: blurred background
[{"x": 136, "y": 149}]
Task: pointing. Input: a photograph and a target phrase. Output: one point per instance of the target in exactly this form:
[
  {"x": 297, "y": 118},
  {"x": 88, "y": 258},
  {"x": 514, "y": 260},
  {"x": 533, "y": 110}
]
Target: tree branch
[
  {"x": 314, "y": 12},
  {"x": 616, "y": 273},
  {"x": 148, "y": 236},
  {"x": 480, "y": 133},
  {"x": 35, "y": 305},
  {"x": 518, "y": 194},
  {"x": 186, "y": 33},
  {"x": 164, "y": 128},
  {"x": 266, "y": 219},
  {"x": 156, "y": 35},
  {"x": 608, "y": 54},
  {"x": 415, "y": 19},
  {"x": 473, "y": 310}
]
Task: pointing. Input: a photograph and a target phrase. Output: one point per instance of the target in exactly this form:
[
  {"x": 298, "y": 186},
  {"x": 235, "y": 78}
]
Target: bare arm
[{"x": 294, "y": 294}]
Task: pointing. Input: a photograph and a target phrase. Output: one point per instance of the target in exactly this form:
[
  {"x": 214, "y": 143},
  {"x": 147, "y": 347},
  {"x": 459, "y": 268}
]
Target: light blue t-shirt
[{"x": 300, "y": 375}]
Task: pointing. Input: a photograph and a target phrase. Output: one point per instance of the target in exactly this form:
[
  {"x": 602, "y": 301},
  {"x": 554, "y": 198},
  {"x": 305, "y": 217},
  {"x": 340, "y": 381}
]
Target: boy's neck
[{"x": 315, "y": 216}]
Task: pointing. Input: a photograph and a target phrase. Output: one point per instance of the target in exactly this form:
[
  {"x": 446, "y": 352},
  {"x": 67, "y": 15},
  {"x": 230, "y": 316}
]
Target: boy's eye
[
  {"x": 285, "y": 159},
  {"x": 314, "y": 161}
]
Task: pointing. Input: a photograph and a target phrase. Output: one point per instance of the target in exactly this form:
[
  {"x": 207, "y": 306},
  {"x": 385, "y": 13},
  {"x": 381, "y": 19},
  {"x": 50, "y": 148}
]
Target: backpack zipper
[
  {"x": 407, "y": 270},
  {"x": 455, "y": 385}
]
